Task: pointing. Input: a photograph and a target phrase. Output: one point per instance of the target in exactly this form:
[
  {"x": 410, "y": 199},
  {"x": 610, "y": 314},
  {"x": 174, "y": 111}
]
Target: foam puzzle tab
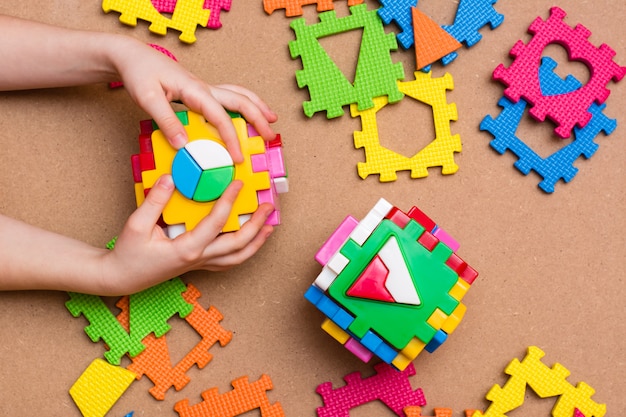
[
  {"x": 244, "y": 397},
  {"x": 99, "y": 388},
  {"x": 329, "y": 89},
  {"x": 391, "y": 287},
  {"x": 522, "y": 76},
  {"x": 203, "y": 169},
  {"x": 390, "y": 387},
  {"x": 426, "y": 89},
  {"x": 185, "y": 17},
  {"x": 546, "y": 382}
]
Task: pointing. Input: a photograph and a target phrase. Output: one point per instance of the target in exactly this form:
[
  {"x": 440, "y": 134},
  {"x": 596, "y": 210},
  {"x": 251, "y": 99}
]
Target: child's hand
[
  {"x": 154, "y": 80},
  {"x": 144, "y": 256}
]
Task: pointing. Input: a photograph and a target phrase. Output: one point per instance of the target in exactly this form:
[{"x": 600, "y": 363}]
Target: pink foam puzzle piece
[
  {"x": 336, "y": 240},
  {"x": 522, "y": 77},
  {"x": 216, "y": 6},
  {"x": 388, "y": 385},
  {"x": 578, "y": 413}
]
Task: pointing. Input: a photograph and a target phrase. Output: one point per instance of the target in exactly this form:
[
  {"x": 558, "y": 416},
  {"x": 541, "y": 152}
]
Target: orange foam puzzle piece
[
  {"x": 155, "y": 362},
  {"x": 432, "y": 42},
  {"x": 244, "y": 397},
  {"x": 294, "y": 7},
  {"x": 415, "y": 411}
]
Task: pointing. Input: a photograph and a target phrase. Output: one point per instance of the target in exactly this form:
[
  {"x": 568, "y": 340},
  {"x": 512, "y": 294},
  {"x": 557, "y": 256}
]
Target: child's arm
[
  {"x": 35, "y": 55},
  {"x": 32, "y": 258}
]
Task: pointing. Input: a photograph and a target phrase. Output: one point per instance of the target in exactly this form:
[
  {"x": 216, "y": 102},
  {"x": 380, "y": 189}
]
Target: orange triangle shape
[{"x": 431, "y": 41}]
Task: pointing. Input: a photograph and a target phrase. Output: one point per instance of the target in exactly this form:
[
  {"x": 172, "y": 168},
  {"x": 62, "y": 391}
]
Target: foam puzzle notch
[
  {"x": 149, "y": 312},
  {"x": 389, "y": 386},
  {"x": 560, "y": 164},
  {"x": 155, "y": 361},
  {"x": 545, "y": 382},
  {"x": 186, "y": 16},
  {"x": 99, "y": 387},
  {"x": 374, "y": 289},
  {"x": 203, "y": 169},
  {"x": 244, "y": 397},
  {"x": 565, "y": 110},
  {"x": 439, "y": 152},
  {"x": 294, "y": 7},
  {"x": 399, "y": 11},
  {"x": 417, "y": 412},
  {"x": 376, "y": 75}
]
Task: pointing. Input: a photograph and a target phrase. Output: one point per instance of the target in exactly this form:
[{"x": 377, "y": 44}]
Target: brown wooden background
[{"x": 551, "y": 266}]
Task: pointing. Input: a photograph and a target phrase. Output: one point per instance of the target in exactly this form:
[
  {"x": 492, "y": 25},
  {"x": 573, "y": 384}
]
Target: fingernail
[
  {"x": 179, "y": 141},
  {"x": 166, "y": 182}
]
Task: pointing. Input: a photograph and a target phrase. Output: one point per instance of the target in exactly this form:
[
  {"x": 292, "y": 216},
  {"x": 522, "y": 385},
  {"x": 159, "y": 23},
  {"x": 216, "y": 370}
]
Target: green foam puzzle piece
[
  {"x": 149, "y": 312},
  {"x": 376, "y": 75}
]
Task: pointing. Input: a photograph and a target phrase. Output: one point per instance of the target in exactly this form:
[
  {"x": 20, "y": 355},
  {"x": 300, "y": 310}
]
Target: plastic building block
[
  {"x": 329, "y": 90},
  {"x": 149, "y": 312},
  {"x": 431, "y": 41},
  {"x": 244, "y": 397},
  {"x": 417, "y": 412},
  {"x": 202, "y": 170},
  {"x": 294, "y": 7},
  {"x": 99, "y": 387},
  {"x": 545, "y": 382},
  {"x": 155, "y": 362},
  {"x": 391, "y": 286},
  {"x": 440, "y": 152},
  {"x": 389, "y": 386},
  {"x": 566, "y": 110},
  {"x": 186, "y": 16},
  {"x": 471, "y": 16},
  {"x": 215, "y": 6},
  {"x": 399, "y": 11},
  {"x": 557, "y": 166}
]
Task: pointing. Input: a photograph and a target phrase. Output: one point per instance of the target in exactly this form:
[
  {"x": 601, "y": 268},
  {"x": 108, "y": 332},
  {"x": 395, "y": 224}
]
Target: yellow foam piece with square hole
[
  {"x": 180, "y": 209},
  {"x": 335, "y": 331},
  {"x": 439, "y": 152},
  {"x": 99, "y": 387}
]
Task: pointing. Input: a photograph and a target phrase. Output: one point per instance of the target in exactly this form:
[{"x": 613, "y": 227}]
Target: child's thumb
[{"x": 151, "y": 209}]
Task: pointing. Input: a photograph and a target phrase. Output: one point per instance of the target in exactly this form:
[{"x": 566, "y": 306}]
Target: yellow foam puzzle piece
[
  {"x": 187, "y": 15},
  {"x": 99, "y": 387},
  {"x": 546, "y": 382},
  {"x": 439, "y": 152},
  {"x": 181, "y": 210}
]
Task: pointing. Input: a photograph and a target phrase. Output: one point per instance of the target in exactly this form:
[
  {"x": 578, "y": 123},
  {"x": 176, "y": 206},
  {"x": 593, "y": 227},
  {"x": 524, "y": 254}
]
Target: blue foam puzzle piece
[
  {"x": 551, "y": 84},
  {"x": 400, "y": 12}
]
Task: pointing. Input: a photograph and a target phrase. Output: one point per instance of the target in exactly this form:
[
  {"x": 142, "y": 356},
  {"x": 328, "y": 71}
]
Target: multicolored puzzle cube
[
  {"x": 203, "y": 169},
  {"x": 391, "y": 285}
]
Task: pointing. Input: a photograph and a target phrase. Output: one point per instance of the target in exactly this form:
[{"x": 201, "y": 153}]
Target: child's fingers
[
  {"x": 211, "y": 226},
  {"x": 163, "y": 114},
  {"x": 254, "y": 110},
  {"x": 149, "y": 212},
  {"x": 237, "y": 257}
]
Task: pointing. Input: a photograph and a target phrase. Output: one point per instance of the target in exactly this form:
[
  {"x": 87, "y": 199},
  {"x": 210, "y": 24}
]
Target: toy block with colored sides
[
  {"x": 203, "y": 169},
  {"x": 391, "y": 285}
]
